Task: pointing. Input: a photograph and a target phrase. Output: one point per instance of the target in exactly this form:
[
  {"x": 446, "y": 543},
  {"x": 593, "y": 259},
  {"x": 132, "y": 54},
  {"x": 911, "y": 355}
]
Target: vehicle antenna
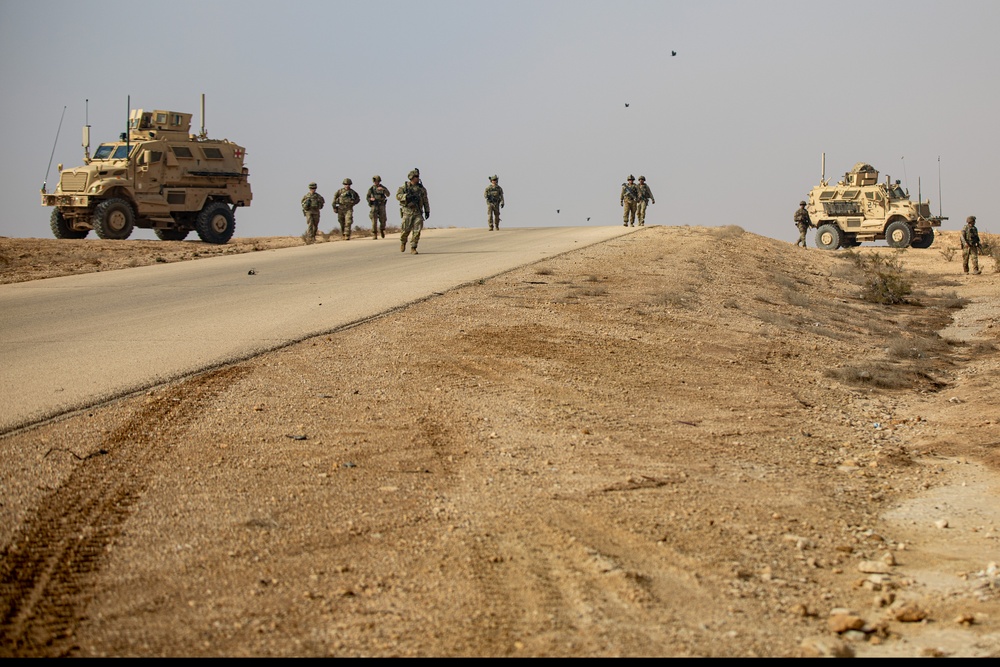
[
  {"x": 939, "y": 187},
  {"x": 45, "y": 182},
  {"x": 906, "y": 180},
  {"x": 86, "y": 132},
  {"x": 203, "y": 133}
]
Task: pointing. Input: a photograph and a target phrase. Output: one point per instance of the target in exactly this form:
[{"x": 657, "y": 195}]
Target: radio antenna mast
[
  {"x": 51, "y": 155},
  {"x": 939, "y": 187}
]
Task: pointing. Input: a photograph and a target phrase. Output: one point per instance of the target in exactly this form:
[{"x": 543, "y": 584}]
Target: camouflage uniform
[
  {"x": 802, "y": 221},
  {"x": 494, "y": 202},
  {"x": 412, "y": 198},
  {"x": 312, "y": 202},
  {"x": 629, "y": 199},
  {"x": 377, "y": 196},
  {"x": 645, "y": 195},
  {"x": 344, "y": 202},
  {"x": 970, "y": 245}
]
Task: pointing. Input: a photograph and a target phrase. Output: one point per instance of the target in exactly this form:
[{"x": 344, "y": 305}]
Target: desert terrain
[{"x": 687, "y": 441}]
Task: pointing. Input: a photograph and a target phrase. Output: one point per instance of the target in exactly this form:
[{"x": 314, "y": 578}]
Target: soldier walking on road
[
  {"x": 344, "y": 202},
  {"x": 494, "y": 202},
  {"x": 970, "y": 245},
  {"x": 629, "y": 199},
  {"x": 412, "y": 198},
  {"x": 802, "y": 221},
  {"x": 645, "y": 196},
  {"x": 312, "y": 202},
  {"x": 377, "y": 196}
]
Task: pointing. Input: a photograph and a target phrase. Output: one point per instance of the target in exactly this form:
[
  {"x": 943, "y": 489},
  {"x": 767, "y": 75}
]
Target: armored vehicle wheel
[
  {"x": 924, "y": 241},
  {"x": 114, "y": 219},
  {"x": 171, "y": 234},
  {"x": 62, "y": 230},
  {"x": 898, "y": 234},
  {"x": 828, "y": 237},
  {"x": 215, "y": 223}
]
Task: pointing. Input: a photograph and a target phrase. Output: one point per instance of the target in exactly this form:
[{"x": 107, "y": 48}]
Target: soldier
[
  {"x": 312, "y": 202},
  {"x": 802, "y": 221},
  {"x": 970, "y": 245},
  {"x": 377, "y": 196},
  {"x": 412, "y": 198},
  {"x": 494, "y": 202},
  {"x": 628, "y": 200},
  {"x": 645, "y": 196},
  {"x": 344, "y": 202}
]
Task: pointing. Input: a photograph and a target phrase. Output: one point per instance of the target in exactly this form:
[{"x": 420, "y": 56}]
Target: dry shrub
[
  {"x": 948, "y": 252},
  {"x": 915, "y": 348},
  {"x": 728, "y": 232},
  {"x": 877, "y": 374},
  {"x": 882, "y": 278}
]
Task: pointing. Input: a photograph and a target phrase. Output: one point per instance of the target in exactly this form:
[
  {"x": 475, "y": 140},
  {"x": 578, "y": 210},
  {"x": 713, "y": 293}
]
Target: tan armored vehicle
[
  {"x": 156, "y": 176},
  {"x": 859, "y": 208}
]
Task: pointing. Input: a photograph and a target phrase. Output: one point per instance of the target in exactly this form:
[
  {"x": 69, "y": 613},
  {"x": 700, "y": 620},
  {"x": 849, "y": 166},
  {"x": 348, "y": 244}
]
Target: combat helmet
[
  {"x": 413, "y": 174},
  {"x": 376, "y": 179},
  {"x": 494, "y": 177},
  {"x": 348, "y": 181},
  {"x": 642, "y": 178},
  {"x": 802, "y": 203},
  {"x": 312, "y": 186},
  {"x": 631, "y": 177},
  {"x": 971, "y": 218}
]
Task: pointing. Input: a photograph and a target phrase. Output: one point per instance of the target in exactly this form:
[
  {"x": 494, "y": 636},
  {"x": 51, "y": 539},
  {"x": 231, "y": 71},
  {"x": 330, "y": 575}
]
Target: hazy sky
[{"x": 729, "y": 131}]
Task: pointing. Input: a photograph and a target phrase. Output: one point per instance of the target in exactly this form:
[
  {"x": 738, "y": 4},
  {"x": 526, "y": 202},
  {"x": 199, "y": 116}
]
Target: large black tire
[
  {"x": 171, "y": 234},
  {"x": 829, "y": 237},
  {"x": 215, "y": 223},
  {"x": 923, "y": 241},
  {"x": 898, "y": 234},
  {"x": 114, "y": 219},
  {"x": 62, "y": 230}
]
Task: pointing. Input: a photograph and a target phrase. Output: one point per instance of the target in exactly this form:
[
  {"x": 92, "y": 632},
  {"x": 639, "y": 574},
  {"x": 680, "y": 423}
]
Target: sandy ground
[{"x": 689, "y": 441}]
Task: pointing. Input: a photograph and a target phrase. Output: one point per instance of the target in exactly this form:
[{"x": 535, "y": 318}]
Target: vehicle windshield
[
  {"x": 111, "y": 152},
  {"x": 896, "y": 192}
]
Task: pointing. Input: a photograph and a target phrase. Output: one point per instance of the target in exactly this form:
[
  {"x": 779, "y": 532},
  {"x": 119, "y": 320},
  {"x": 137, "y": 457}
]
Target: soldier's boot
[
  {"x": 383, "y": 232},
  {"x": 413, "y": 250},
  {"x": 326, "y": 237},
  {"x": 491, "y": 228},
  {"x": 402, "y": 246}
]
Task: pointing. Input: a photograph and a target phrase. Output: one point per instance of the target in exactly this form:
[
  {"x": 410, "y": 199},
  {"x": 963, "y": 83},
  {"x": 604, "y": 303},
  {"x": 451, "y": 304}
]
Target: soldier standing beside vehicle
[
  {"x": 802, "y": 221},
  {"x": 344, "y": 202},
  {"x": 412, "y": 198},
  {"x": 312, "y": 202},
  {"x": 377, "y": 196},
  {"x": 494, "y": 202},
  {"x": 645, "y": 196},
  {"x": 970, "y": 245},
  {"x": 628, "y": 200}
]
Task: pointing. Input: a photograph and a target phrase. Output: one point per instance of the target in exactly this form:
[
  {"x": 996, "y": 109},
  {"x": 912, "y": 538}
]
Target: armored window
[
  {"x": 120, "y": 153},
  {"x": 182, "y": 151},
  {"x": 870, "y": 195},
  {"x": 212, "y": 153},
  {"x": 851, "y": 194},
  {"x": 176, "y": 120},
  {"x": 827, "y": 194},
  {"x": 161, "y": 118},
  {"x": 103, "y": 152},
  {"x": 155, "y": 156}
]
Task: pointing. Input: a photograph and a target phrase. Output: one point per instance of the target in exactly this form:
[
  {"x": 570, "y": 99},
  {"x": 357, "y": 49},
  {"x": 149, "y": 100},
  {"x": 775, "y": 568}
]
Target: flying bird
[
  {"x": 557, "y": 210},
  {"x": 626, "y": 105},
  {"x": 588, "y": 219},
  {"x": 673, "y": 53}
]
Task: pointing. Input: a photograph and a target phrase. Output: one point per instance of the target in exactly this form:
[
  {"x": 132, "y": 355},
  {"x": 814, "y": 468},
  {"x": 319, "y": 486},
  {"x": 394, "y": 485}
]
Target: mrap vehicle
[
  {"x": 860, "y": 208},
  {"x": 156, "y": 176}
]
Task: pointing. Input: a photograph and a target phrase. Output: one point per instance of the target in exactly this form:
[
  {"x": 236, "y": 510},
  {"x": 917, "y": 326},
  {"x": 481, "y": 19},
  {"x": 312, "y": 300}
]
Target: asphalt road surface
[{"x": 73, "y": 342}]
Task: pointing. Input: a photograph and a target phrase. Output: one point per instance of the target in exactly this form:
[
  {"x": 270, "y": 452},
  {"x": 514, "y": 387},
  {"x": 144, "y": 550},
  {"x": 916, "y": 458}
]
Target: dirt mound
[{"x": 685, "y": 441}]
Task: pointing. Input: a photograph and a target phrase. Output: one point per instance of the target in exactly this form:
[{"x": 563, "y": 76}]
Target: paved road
[{"x": 70, "y": 343}]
